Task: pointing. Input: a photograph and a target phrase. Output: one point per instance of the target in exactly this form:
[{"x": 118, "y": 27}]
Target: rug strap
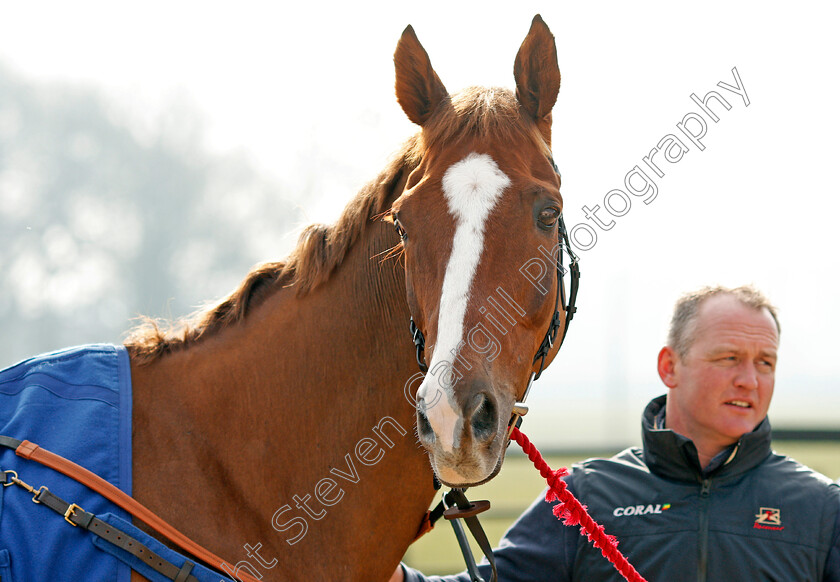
[
  {"x": 31, "y": 451},
  {"x": 78, "y": 517}
]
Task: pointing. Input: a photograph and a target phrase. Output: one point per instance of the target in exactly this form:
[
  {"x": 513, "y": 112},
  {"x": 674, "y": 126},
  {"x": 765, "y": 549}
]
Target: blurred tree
[{"x": 99, "y": 223}]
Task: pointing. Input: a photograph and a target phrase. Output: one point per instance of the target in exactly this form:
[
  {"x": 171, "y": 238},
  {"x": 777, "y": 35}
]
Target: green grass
[{"x": 518, "y": 484}]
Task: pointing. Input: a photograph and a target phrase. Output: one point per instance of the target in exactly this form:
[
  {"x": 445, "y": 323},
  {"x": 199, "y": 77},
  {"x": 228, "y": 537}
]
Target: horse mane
[{"x": 474, "y": 112}]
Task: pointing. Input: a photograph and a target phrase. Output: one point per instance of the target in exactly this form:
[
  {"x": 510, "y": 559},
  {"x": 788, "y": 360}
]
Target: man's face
[{"x": 722, "y": 388}]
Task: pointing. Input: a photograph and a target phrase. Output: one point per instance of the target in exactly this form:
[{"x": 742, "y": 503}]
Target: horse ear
[
  {"x": 419, "y": 89},
  {"x": 537, "y": 75}
]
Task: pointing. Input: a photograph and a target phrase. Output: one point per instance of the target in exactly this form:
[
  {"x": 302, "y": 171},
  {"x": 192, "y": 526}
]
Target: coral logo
[
  {"x": 640, "y": 509},
  {"x": 768, "y": 518}
]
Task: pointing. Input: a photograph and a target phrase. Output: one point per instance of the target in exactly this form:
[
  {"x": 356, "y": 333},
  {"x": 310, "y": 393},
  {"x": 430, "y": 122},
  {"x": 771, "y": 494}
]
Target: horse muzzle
[{"x": 464, "y": 436}]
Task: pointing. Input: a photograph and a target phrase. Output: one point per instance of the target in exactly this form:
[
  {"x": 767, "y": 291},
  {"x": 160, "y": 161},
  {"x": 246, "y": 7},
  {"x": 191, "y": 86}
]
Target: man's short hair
[{"x": 681, "y": 332}]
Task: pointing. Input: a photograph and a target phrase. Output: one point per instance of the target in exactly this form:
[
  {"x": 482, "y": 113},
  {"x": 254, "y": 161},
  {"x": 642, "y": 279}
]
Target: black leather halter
[
  {"x": 553, "y": 327},
  {"x": 456, "y": 502}
]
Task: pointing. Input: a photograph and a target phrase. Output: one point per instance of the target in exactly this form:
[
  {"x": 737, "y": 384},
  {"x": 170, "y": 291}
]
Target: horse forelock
[{"x": 487, "y": 113}]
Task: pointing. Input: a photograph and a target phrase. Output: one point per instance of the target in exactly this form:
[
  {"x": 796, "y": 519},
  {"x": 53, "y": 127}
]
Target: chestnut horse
[{"x": 274, "y": 427}]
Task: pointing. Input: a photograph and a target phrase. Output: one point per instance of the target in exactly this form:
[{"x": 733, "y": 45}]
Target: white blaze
[{"x": 472, "y": 187}]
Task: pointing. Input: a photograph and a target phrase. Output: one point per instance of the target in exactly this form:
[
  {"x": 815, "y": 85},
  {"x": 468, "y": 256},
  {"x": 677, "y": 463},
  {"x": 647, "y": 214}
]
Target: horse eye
[
  {"x": 399, "y": 228},
  {"x": 548, "y": 216}
]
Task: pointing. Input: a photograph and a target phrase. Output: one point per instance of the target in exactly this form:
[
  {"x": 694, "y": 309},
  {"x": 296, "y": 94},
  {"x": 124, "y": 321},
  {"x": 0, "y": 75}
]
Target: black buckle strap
[
  {"x": 78, "y": 517},
  {"x": 184, "y": 572}
]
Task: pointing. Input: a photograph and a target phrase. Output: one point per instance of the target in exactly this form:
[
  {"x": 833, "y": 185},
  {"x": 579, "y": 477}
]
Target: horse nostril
[
  {"x": 484, "y": 418},
  {"x": 424, "y": 427}
]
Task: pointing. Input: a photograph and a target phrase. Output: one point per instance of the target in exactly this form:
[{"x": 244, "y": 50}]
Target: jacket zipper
[{"x": 703, "y": 545}]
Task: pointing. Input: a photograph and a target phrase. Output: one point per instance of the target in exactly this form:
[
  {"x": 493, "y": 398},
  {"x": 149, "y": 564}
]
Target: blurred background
[{"x": 149, "y": 156}]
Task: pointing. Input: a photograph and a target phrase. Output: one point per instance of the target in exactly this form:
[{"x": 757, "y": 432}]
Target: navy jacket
[{"x": 752, "y": 515}]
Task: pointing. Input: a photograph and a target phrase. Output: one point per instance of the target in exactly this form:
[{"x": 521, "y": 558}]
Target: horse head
[{"x": 479, "y": 219}]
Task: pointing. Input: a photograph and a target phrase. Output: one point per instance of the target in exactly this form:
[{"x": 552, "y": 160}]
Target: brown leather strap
[
  {"x": 29, "y": 450},
  {"x": 430, "y": 519},
  {"x": 425, "y": 527}
]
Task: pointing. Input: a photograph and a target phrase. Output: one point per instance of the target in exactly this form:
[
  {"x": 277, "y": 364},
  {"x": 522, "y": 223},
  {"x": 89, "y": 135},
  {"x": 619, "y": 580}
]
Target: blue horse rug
[{"x": 77, "y": 404}]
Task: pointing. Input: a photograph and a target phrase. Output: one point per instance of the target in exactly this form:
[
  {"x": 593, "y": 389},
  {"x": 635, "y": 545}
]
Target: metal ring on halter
[{"x": 519, "y": 410}]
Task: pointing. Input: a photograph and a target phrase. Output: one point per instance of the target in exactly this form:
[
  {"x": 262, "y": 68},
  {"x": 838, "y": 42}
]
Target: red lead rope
[{"x": 572, "y": 512}]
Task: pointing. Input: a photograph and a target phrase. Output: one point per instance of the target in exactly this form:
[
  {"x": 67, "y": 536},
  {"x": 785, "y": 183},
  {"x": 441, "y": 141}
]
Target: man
[{"x": 704, "y": 498}]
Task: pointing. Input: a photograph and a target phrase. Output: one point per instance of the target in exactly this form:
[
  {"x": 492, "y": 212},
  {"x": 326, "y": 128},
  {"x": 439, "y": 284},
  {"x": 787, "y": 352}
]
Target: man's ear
[{"x": 666, "y": 365}]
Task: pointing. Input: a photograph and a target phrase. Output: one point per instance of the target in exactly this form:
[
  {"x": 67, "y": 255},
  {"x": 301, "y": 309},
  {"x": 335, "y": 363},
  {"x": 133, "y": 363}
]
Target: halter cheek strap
[
  {"x": 560, "y": 297},
  {"x": 519, "y": 408}
]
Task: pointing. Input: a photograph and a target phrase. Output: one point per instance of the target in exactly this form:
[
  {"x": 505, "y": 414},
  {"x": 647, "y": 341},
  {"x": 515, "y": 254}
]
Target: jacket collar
[{"x": 674, "y": 456}]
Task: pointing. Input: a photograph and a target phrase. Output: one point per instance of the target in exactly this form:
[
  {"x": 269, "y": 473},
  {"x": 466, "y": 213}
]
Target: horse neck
[{"x": 260, "y": 420}]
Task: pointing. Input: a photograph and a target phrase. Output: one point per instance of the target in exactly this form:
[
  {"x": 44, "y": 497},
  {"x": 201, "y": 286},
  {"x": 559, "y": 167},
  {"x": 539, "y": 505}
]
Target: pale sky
[{"x": 315, "y": 82}]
